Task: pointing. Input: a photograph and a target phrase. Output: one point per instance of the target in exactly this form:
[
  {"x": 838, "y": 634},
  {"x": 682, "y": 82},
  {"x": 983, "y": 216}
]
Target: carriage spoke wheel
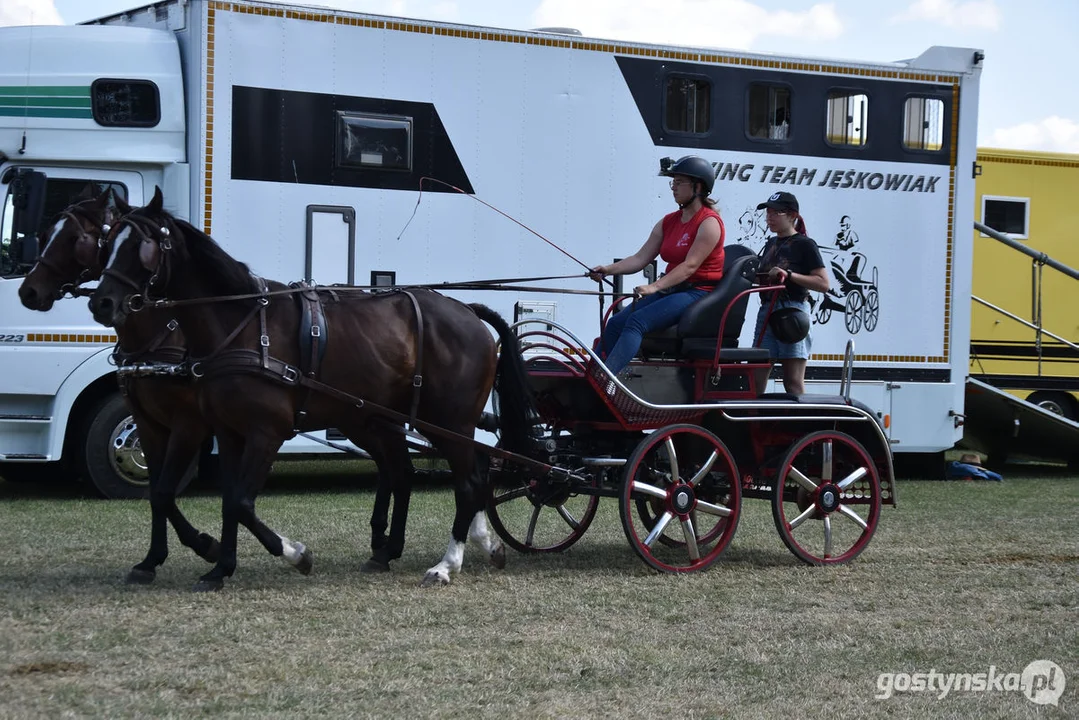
[
  {"x": 872, "y": 309},
  {"x": 824, "y": 314},
  {"x": 680, "y": 500},
  {"x": 852, "y": 312},
  {"x": 536, "y": 515},
  {"x": 826, "y": 499}
]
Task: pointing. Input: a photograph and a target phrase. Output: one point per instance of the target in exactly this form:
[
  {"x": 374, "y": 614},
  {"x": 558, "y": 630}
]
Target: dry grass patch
[{"x": 960, "y": 577}]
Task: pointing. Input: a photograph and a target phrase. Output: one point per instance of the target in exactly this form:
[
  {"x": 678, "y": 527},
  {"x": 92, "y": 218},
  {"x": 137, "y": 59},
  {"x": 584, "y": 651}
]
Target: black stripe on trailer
[
  {"x": 647, "y": 82},
  {"x": 285, "y": 136}
]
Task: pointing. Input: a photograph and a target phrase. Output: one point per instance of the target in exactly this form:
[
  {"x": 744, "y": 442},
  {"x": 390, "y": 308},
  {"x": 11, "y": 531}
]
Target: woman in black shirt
[{"x": 793, "y": 260}]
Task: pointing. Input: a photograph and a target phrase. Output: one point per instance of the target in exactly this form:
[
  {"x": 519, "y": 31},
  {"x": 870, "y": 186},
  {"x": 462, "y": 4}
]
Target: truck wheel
[
  {"x": 112, "y": 456},
  {"x": 1058, "y": 403}
]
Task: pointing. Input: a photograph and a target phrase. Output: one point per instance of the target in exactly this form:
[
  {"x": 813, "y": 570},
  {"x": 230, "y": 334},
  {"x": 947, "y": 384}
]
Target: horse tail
[{"x": 515, "y": 405}]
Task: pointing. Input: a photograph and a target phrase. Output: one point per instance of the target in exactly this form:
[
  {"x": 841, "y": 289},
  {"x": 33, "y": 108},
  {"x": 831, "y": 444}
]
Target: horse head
[
  {"x": 141, "y": 245},
  {"x": 73, "y": 250}
]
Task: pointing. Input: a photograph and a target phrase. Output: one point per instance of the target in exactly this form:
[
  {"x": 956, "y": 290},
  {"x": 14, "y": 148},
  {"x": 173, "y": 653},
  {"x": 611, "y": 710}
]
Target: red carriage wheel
[
  {"x": 539, "y": 515},
  {"x": 680, "y": 484},
  {"x": 826, "y": 498}
]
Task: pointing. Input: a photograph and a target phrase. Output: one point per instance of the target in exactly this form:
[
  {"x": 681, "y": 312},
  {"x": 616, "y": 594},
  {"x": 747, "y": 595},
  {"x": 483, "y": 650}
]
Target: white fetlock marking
[
  {"x": 451, "y": 562},
  {"x": 478, "y": 533},
  {"x": 292, "y": 551}
]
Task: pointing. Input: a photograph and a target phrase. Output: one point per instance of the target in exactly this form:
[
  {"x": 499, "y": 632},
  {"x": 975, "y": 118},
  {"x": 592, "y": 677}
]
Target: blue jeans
[
  {"x": 781, "y": 350},
  {"x": 624, "y": 331}
]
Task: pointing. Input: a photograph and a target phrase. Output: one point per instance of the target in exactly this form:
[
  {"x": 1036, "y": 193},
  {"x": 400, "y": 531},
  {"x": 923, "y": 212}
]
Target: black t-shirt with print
[{"x": 795, "y": 253}]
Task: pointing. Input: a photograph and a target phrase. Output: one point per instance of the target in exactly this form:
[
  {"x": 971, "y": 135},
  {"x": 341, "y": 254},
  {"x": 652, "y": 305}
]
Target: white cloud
[
  {"x": 981, "y": 14},
  {"x": 1053, "y": 134},
  {"x": 709, "y": 23},
  {"x": 29, "y": 12}
]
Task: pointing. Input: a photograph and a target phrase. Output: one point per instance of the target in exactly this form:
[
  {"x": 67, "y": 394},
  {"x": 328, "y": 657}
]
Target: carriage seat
[{"x": 694, "y": 336}]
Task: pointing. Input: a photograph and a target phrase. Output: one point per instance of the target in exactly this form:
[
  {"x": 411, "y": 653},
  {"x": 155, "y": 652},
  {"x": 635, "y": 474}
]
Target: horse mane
[{"x": 225, "y": 274}]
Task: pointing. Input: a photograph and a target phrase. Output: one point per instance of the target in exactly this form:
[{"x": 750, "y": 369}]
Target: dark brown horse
[
  {"x": 171, "y": 428},
  {"x": 257, "y": 388}
]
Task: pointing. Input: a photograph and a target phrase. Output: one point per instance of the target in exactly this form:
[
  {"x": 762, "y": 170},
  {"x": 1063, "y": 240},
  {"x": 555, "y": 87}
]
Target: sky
[{"x": 1024, "y": 101}]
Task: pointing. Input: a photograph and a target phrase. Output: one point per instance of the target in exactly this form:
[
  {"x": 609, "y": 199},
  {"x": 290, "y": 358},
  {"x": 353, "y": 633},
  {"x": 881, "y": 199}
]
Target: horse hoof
[
  {"x": 138, "y": 576},
  {"x": 433, "y": 579},
  {"x": 306, "y": 562},
  {"x": 373, "y": 566},
  {"x": 205, "y": 585},
  {"x": 498, "y": 557}
]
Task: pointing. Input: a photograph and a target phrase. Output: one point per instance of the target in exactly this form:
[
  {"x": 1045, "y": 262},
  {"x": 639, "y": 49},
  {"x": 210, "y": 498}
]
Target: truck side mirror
[{"x": 28, "y": 190}]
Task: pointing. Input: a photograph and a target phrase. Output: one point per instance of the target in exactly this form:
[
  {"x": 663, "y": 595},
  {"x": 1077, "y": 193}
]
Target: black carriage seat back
[{"x": 696, "y": 333}]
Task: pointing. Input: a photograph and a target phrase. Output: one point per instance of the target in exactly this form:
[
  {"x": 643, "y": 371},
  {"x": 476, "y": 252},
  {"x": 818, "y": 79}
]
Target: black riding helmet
[
  {"x": 789, "y": 324},
  {"x": 692, "y": 166}
]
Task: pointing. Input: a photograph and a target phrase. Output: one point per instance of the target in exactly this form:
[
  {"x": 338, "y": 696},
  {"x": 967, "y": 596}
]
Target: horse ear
[
  {"x": 122, "y": 208},
  {"x": 102, "y": 200},
  {"x": 87, "y": 193},
  {"x": 149, "y": 255},
  {"x": 157, "y": 202}
]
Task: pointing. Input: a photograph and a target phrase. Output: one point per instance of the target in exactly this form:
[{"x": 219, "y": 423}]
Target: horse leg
[
  {"x": 380, "y": 512},
  {"x": 185, "y": 443},
  {"x": 230, "y": 448},
  {"x": 238, "y": 508},
  {"x": 154, "y": 440},
  {"x": 477, "y": 531},
  {"x": 396, "y": 473},
  {"x": 468, "y": 503}
]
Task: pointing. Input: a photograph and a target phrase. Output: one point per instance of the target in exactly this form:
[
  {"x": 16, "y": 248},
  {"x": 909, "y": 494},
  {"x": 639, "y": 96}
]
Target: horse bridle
[
  {"x": 82, "y": 236},
  {"x": 144, "y": 229}
]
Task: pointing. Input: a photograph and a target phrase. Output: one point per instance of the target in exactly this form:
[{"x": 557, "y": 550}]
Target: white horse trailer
[{"x": 300, "y": 139}]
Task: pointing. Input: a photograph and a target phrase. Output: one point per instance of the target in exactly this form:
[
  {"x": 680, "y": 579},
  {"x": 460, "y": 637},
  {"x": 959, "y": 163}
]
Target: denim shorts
[{"x": 780, "y": 350}]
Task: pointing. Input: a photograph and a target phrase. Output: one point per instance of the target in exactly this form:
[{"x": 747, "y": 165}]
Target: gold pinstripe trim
[
  {"x": 71, "y": 338},
  {"x": 208, "y": 171},
  {"x": 342, "y": 18}
]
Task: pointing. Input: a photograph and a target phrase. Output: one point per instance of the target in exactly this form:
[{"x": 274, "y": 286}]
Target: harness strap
[{"x": 417, "y": 376}]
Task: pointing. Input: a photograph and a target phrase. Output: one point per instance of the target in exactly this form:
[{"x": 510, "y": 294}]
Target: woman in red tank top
[{"x": 690, "y": 240}]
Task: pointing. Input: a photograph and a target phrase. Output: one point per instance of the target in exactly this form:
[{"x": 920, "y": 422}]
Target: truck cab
[{"x": 110, "y": 117}]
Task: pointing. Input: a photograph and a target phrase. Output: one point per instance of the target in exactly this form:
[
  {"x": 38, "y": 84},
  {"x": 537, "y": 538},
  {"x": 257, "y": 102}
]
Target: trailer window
[
  {"x": 848, "y": 111},
  {"x": 1009, "y": 215},
  {"x": 923, "y": 124},
  {"x": 769, "y": 112},
  {"x": 125, "y": 103},
  {"x": 374, "y": 141},
  {"x": 689, "y": 105}
]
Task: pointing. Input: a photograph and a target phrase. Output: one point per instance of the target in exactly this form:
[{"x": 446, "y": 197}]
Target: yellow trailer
[{"x": 1033, "y": 197}]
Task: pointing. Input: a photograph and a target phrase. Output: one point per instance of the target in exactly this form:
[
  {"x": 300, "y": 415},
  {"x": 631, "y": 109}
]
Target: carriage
[
  {"x": 685, "y": 437},
  {"x": 680, "y": 440}
]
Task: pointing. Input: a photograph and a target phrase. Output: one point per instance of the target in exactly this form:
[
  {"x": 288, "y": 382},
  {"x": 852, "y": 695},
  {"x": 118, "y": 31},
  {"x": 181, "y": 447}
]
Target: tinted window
[
  {"x": 125, "y": 103},
  {"x": 769, "y": 112},
  {"x": 689, "y": 102},
  {"x": 374, "y": 141},
  {"x": 848, "y": 112}
]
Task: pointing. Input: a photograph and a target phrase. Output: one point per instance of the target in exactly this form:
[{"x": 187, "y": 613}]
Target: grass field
[{"x": 959, "y": 578}]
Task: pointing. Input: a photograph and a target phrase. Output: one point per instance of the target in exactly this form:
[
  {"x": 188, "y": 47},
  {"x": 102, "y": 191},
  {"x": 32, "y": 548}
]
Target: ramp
[{"x": 1000, "y": 424}]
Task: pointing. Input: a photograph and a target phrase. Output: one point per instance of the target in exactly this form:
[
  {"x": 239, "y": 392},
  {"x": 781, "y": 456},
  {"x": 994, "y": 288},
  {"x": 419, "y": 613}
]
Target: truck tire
[
  {"x": 1059, "y": 403},
  {"x": 111, "y": 454}
]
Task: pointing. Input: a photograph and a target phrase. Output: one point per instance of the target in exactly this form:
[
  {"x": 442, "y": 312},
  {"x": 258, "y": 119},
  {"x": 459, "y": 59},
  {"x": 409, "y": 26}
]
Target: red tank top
[{"x": 678, "y": 237}]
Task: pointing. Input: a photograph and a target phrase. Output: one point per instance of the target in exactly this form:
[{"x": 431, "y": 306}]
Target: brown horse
[
  {"x": 257, "y": 388},
  {"x": 171, "y": 428}
]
